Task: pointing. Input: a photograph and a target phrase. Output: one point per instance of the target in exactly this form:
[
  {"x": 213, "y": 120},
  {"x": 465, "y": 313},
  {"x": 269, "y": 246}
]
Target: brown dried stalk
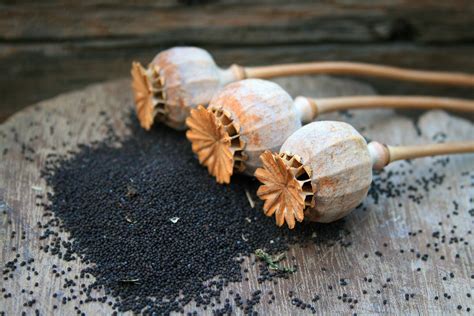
[
  {"x": 361, "y": 69},
  {"x": 339, "y": 165}
]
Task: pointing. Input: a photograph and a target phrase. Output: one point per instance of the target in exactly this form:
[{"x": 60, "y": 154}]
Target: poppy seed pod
[
  {"x": 324, "y": 170},
  {"x": 242, "y": 120},
  {"x": 177, "y": 80}
]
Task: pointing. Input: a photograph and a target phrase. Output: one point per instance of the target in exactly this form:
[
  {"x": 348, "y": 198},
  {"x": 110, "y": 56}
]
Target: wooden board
[
  {"x": 54, "y": 46},
  {"x": 249, "y": 22},
  {"x": 381, "y": 220}
]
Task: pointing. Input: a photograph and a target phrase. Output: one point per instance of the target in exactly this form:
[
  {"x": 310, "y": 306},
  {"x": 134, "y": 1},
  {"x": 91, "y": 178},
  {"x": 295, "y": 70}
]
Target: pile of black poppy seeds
[{"x": 156, "y": 229}]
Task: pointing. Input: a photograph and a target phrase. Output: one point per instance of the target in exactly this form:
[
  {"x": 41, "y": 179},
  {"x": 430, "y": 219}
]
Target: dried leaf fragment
[
  {"x": 131, "y": 191},
  {"x": 273, "y": 260},
  {"x": 249, "y": 198},
  {"x": 129, "y": 280},
  {"x": 36, "y": 188},
  {"x": 174, "y": 220}
]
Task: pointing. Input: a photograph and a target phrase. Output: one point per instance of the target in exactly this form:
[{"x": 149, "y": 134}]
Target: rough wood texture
[
  {"x": 389, "y": 221},
  {"x": 249, "y": 22},
  {"x": 52, "y": 46}
]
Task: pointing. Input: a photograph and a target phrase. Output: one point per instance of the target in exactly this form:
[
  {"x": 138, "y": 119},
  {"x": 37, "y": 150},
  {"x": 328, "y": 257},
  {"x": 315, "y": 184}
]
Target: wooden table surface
[{"x": 376, "y": 232}]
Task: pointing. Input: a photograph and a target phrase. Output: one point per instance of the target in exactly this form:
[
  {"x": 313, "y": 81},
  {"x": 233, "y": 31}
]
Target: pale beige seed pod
[
  {"x": 322, "y": 172},
  {"x": 177, "y": 80},
  {"x": 242, "y": 120}
]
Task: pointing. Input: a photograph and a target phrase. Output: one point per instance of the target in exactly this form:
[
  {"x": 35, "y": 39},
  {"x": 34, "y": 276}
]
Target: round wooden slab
[{"x": 398, "y": 243}]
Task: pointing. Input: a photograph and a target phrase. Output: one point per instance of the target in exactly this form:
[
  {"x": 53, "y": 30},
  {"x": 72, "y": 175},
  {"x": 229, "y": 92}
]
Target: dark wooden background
[{"x": 51, "y": 46}]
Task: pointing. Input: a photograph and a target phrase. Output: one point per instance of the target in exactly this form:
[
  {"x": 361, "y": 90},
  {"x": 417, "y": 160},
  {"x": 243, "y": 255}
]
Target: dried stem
[
  {"x": 398, "y": 102},
  {"x": 418, "y": 151},
  {"x": 361, "y": 69},
  {"x": 382, "y": 155}
]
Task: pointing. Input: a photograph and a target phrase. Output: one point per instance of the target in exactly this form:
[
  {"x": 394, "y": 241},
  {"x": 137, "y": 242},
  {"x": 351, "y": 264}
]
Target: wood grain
[
  {"x": 75, "y": 118},
  {"x": 53, "y": 46},
  {"x": 36, "y": 72},
  {"x": 248, "y": 22}
]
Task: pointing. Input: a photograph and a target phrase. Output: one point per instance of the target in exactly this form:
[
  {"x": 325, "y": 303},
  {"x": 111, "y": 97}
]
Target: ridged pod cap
[
  {"x": 255, "y": 115},
  {"x": 334, "y": 156},
  {"x": 176, "y": 80}
]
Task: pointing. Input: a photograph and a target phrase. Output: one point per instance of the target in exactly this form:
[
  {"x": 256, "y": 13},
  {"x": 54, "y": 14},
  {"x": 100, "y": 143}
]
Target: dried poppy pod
[
  {"x": 181, "y": 78},
  {"x": 250, "y": 116},
  {"x": 242, "y": 120},
  {"x": 324, "y": 170},
  {"x": 177, "y": 80}
]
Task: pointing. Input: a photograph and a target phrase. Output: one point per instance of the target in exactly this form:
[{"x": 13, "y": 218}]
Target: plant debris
[
  {"x": 249, "y": 197},
  {"x": 273, "y": 260},
  {"x": 174, "y": 220}
]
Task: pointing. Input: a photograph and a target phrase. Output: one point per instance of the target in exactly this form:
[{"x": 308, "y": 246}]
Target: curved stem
[
  {"x": 397, "y": 102},
  {"x": 382, "y": 155},
  {"x": 417, "y": 151},
  {"x": 361, "y": 69}
]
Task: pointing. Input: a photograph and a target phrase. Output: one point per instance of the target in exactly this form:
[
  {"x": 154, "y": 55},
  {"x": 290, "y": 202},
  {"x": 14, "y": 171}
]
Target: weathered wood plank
[
  {"x": 52, "y": 46},
  {"x": 249, "y": 22},
  {"x": 34, "y": 72},
  {"x": 389, "y": 221}
]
